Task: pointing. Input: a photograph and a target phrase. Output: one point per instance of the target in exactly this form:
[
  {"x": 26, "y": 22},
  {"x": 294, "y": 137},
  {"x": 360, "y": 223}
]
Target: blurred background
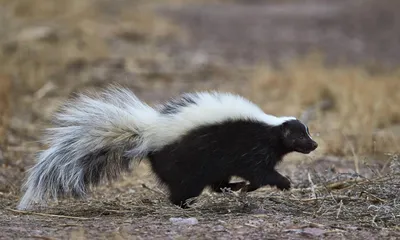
[{"x": 334, "y": 63}]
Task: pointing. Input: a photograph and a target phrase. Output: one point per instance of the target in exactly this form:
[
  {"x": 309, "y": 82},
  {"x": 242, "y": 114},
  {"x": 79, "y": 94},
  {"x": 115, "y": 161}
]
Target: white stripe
[{"x": 307, "y": 131}]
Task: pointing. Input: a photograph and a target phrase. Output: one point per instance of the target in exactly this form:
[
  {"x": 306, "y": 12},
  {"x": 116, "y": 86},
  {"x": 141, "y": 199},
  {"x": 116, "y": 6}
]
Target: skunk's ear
[
  {"x": 285, "y": 129},
  {"x": 285, "y": 125}
]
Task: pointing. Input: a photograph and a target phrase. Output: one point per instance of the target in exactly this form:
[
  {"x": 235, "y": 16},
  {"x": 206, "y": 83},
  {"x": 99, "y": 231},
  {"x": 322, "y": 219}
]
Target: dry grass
[
  {"x": 362, "y": 105},
  {"x": 44, "y": 37},
  {"x": 329, "y": 206},
  {"x": 5, "y": 90},
  {"x": 368, "y": 202}
]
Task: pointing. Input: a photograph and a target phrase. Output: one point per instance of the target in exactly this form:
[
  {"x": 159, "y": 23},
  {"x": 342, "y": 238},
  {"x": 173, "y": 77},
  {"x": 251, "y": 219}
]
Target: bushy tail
[{"x": 95, "y": 138}]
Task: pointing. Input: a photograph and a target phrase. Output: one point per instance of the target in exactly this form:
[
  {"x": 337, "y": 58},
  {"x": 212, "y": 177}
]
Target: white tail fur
[{"x": 88, "y": 144}]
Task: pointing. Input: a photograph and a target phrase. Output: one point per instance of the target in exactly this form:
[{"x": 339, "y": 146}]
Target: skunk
[{"x": 193, "y": 141}]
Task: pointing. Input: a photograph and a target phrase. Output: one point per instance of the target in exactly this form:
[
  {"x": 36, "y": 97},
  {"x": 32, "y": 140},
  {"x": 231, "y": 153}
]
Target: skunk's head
[{"x": 296, "y": 137}]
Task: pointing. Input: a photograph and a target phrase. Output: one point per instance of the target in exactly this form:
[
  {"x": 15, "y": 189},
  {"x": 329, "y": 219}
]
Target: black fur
[
  {"x": 212, "y": 154},
  {"x": 175, "y": 105},
  {"x": 104, "y": 164}
]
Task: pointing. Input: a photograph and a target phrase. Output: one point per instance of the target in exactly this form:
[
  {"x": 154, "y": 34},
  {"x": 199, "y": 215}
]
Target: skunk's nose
[{"x": 314, "y": 145}]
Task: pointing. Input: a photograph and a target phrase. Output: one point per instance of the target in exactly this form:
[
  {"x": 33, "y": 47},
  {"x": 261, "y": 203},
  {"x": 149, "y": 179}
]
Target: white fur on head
[{"x": 306, "y": 129}]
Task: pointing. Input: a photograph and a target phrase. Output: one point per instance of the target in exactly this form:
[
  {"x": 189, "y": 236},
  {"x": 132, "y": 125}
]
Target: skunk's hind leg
[{"x": 179, "y": 194}]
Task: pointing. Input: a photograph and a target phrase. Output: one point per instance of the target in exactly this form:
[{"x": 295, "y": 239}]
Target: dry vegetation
[
  {"x": 358, "y": 108},
  {"x": 50, "y": 49}
]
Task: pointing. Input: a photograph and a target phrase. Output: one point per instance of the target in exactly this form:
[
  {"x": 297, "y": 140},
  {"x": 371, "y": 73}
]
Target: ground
[{"x": 334, "y": 64}]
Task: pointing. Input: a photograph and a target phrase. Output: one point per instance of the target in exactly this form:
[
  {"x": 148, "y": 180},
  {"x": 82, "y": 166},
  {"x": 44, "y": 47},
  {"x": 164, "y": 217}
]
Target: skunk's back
[{"x": 192, "y": 110}]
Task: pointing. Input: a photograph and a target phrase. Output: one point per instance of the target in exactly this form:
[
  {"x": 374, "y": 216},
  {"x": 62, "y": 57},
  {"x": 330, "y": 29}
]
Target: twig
[
  {"x": 46, "y": 215},
  {"x": 334, "y": 186},
  {"x": 118, "y": 211},
  {"x": 153, "y": 190},
  {"x": 314, "y": 225},
  {"x": 229, "y": 192},
  {"x": 356, "y": 160},
  {"x": 325, "y": 198},
  {"x": 373, "y": 220},
  {"x": 387, "y": 162},
  {"x": 250, "y": 225},
  {"x": 373, "y": 196},
  {"x": 339, "y": 185},
  {"x": 344, "y": 184},
  {"x": 340, "y": 208},
  {"x": 39, "y": 94},
  {"x": 313, "y": 195}
]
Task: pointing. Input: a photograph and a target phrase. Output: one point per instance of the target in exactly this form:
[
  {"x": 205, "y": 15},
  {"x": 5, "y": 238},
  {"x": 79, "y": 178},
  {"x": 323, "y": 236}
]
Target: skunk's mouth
[{"x": 307, "y": 150}]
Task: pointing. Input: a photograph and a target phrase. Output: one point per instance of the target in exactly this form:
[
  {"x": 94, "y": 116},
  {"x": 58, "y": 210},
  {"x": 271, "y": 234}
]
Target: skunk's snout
[{"x": 314, "y": 145}]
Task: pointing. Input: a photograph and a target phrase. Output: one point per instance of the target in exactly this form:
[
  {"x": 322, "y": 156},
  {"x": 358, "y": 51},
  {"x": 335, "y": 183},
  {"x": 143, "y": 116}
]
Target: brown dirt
[{"x": 348, "y": 189}]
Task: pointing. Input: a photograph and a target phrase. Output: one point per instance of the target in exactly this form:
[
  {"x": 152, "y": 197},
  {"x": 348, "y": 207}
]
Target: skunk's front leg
[
  {"x": 276, "y": 179},
  {"x": 271, "y": 178}
]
